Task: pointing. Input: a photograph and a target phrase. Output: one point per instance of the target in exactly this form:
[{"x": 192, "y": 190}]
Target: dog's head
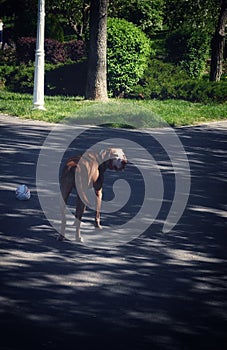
[{"x": 115, "y": 158}]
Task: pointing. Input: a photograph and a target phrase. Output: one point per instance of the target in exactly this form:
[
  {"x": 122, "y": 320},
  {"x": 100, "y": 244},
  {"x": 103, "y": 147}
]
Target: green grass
[{"x": 118, "y": 112}]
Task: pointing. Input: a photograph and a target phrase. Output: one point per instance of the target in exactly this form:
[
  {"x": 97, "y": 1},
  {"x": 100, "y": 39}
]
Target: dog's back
[{"x": 87, "y": 172}]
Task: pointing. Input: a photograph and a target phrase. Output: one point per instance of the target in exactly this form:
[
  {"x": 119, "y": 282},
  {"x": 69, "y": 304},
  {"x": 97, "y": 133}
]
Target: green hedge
[
  {"x": 20, "y": 78},
  {"x": 199, "y": 91},
  {"x": 128, "y": 51},
  {"x": 161, "y": 81},
  {"x": 55, "y": 52},
  {"x": 166, "y": 81},
  {"x": 158, "y": 75},
  {"x": 58, "y": 78}
]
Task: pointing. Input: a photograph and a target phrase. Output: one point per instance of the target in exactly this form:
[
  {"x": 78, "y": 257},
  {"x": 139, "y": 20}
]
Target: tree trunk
[
  {"x": 218, "y": 44},
  {"x": 96, "y": 88}
]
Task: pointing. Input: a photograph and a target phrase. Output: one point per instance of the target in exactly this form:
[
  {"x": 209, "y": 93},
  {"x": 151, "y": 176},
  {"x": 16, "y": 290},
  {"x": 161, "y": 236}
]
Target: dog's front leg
[
  {"x": 80, "y": 208},
  {"x": 98, "y": 207}
]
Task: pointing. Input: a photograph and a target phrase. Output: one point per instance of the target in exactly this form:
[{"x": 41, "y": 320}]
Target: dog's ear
[{"x": 104, "y": 155}]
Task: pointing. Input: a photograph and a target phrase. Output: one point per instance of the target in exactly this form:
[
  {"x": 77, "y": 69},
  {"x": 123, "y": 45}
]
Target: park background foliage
[{"x": 156, "y": 49}]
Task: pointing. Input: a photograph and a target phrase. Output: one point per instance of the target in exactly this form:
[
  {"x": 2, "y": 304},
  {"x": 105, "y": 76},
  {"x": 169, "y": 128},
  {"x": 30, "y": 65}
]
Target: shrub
[
  {"x": 8, "y": 56},
  {"x": 55, "y": 51},
  {"x": 189, "y": 49},
  {"x": 196, "y": 91},
  {"x": 166, "y": 81},
  {"x": 5, "y": 72},
  {"x": 61, "y": 79},
  {"x": 157, "y": 76},
  {"x": 20, "y": 78},
  {"x": 26, "y": 50},
  {"x": 128, "y": 50},
  {"x": 75, "y": 50},
  {"x": 202, "y": 91}
]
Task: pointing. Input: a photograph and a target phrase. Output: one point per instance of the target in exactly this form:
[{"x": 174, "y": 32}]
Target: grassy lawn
[{"x": 146, "y": 113}]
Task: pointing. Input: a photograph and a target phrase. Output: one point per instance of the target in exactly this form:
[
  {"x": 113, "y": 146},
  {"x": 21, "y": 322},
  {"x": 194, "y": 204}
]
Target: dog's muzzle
[{"x": 117, "y": 164}]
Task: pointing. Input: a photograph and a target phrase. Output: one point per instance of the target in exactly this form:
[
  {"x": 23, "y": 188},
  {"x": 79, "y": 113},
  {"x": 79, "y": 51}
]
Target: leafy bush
[
  {"x": 128, "y": 50},
  {"x": 58, "y": 78},
  {"x": 8, "y": 56},
  {"x": 202, "y": 91},
  {"x": 26, "y": 50},
  {"x": 166, "y": 81},
  {"x": 55, "y": 51},
  {"x": 75, "y": 50},
  {"x": 157, "y": 76},
  {"x": 5, "y": 72},
  {"x": 19, "y": 78},
  {"x": 189, "y": 49}
]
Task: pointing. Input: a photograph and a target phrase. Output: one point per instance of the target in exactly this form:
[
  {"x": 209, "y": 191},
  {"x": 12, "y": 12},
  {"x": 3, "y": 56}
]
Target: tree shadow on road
[{"x": 160, "y": 291}]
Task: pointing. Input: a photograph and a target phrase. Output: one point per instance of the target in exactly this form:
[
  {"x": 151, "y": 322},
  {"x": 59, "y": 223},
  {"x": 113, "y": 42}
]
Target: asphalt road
[{"x": 158, "y": 291}]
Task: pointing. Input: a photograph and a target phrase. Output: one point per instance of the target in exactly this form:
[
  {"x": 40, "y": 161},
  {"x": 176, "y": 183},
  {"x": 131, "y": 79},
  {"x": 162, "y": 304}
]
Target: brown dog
[{"x": 82, "y": 173}]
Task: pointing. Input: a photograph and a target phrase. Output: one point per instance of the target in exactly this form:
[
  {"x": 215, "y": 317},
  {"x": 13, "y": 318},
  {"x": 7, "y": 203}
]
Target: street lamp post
[{"x": 38, "y": 92}]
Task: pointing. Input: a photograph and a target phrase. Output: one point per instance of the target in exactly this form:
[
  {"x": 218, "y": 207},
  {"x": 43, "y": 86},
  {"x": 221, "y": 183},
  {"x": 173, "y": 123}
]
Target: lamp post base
[{"x": 39, "y": 107}]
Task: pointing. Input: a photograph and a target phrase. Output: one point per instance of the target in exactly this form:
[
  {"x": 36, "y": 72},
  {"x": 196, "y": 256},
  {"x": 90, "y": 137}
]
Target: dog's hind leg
[
  {"x": 66, "y": 189},
  {"x": 80, "y": 208},
  {"x": 98, "y": 207}
]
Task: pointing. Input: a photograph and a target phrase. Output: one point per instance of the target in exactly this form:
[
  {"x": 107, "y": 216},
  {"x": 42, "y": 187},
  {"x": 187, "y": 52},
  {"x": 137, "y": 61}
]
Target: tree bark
[
  {"x": 218, "y": 44},
  {"x": 96, "y": 88}
]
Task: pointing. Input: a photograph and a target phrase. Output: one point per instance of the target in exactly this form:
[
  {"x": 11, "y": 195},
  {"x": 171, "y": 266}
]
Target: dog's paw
[
  {"x": 61, "y": 238},
  {"x": 79, "y": 239},
  {"x": 97, "y": 225}
]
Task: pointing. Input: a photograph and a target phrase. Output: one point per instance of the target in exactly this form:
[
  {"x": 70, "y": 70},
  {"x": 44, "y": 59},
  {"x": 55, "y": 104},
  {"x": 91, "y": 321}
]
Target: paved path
[{"x": 159, "y": 291}]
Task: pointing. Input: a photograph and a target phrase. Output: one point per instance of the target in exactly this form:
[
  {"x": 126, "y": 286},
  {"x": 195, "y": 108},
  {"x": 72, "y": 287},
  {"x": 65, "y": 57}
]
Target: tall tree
[
  {"x": 96, "y": 88},
  {"x": 218, "y": 44}
]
